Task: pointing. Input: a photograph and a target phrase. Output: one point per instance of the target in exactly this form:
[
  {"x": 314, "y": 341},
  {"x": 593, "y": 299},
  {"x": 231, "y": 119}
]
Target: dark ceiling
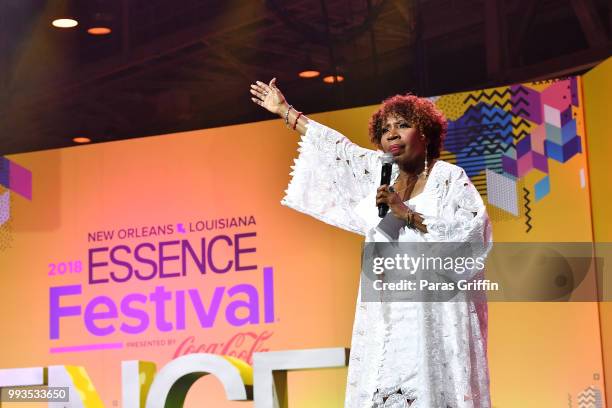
[{"x": 179, "y": 65}]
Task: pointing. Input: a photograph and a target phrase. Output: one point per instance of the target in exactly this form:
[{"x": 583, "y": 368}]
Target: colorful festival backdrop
[{"x": 153, "y": 248}]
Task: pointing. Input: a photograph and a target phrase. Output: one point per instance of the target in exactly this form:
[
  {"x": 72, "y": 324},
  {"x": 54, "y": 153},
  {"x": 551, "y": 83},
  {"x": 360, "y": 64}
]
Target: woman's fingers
[
  {"x": 259, "y": 89},
  {"x": 384, "y": 195},
  {"x": 381, "y": 195},
  {"x": 263, "y": 86},
  {"x": 269, "y": 95},
  {"x": 260, "y": 95}
]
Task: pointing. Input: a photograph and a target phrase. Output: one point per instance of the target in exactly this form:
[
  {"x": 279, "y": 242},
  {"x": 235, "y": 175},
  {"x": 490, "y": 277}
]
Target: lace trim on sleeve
[
  {"x": 461, "y": 216},
  {"x": 330, "y": 176}
]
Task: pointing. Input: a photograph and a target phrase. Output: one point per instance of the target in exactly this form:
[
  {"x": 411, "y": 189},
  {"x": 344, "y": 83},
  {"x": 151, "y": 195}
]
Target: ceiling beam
[
  {"x": 560, "y": 66},
  {"x": 494, "y": 43},
  {"x": 247, "y": 11},
  {"x": 591, "y": 24},
  {"x": 527, "y": 10}
]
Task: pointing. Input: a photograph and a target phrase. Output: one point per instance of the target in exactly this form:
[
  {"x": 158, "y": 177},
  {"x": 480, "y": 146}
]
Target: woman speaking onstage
[{"x": 403, "y": 354}]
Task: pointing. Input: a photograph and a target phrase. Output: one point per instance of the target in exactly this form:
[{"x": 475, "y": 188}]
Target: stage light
[
  {"x": 100, "y": 22},
  {"x": 309, "y": 73},
  {"x": 99, "y": 30},
  {"x": 81, "y": 139},
  {"x": 64, "y": 23},
  {"x": 330, "y": 79}
]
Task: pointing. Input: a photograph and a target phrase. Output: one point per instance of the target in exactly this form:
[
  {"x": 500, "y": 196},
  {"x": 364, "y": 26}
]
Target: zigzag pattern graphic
[
  {"x": 490, "y": 125},
  {"x": 590, "y": 398},
  {"x": 521, "y": 127},
  {"x": 487, "y": 144},
  {"x": 527, "y": 209},
  {"x": 482, "y": 135},
  {"x": 479, "y": 121},
  {"x": 489, "y": 96},
  {"x": 489, "y": 115},
  {"x": 521, "y": 105},
  {"x": 495, "y": 94},
  {"x": 519, "y": 89},
  {"x": 499, "y": 120},
  {"x": 499, "y": 109}
]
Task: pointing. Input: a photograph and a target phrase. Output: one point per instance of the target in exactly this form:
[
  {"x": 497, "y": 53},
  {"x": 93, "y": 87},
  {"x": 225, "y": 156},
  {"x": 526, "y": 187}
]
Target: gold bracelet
[{"x": 410, "y": 218}]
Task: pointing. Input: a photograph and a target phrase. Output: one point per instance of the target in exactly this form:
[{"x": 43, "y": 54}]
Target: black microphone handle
[
  {"x": 385, "y": 178},
  {"x": 383, "y": 209}
]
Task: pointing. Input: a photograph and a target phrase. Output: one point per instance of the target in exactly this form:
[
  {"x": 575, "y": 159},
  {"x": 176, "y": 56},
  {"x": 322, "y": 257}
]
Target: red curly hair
[{"x": 420, "y": 113}]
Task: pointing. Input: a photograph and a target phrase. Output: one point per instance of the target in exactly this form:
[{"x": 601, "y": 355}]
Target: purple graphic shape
[
  {"x": 554, "y": 151},
  {"x": 86, "y": 347},
  {"x": 540, "y": 161},
  {"x": 4, "y": 172},
  {"x": 563, "y": 153},
  {"x": 524, "y": 164},
  {"x": 574, "y": 90},
  {"x": 523, "y": 146},
  {"x": 526, "y": 103},
  {"x": 180, "y": 228},
  {"x": 568, "y": 132},
  {"x": 509, "y": 166},
  {"x": 567, "y": 116},
  {"x": 20, "y": 180},
  {"x": 571, "y": 148},
  {"x": 5, "y": 207}
]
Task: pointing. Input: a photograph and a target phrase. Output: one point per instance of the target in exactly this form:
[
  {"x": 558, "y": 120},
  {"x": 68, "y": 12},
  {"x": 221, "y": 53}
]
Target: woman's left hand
[{"x": 385, "y": 196}]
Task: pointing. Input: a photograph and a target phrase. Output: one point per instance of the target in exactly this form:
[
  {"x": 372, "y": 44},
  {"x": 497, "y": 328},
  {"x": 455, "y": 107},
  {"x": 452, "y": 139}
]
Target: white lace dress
[{"x": 422, "y": 355}]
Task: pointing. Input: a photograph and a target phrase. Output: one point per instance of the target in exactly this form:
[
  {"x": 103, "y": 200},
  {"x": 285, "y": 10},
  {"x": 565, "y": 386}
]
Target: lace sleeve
[
  {"x": 461, "y": 219},
  {"x": 330, "y": 176}
]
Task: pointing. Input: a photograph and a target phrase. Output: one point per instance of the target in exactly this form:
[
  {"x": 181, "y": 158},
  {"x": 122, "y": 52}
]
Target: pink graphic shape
[
  {"x": 537, "y": 139},
  {"x": 524, "y": 164},
  {"x": 20, "y": 180},
  {"x": 558, "y": 95},
  {"x": 86, "y": 347}
]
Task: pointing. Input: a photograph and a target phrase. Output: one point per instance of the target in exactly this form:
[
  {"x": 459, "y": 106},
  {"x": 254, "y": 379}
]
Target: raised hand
[{"x": 269, "y": 96}]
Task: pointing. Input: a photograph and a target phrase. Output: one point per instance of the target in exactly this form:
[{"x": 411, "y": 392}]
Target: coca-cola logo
[{"x": 241, "y": 345}]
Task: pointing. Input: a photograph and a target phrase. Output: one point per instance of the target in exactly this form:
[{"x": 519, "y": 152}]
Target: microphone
[{"x": 385, "y": 178}]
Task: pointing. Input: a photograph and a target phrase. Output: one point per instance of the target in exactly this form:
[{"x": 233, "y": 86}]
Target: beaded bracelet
[
  {"x": 296, "y": 120},
  {"x": 287, "y": 115}
]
